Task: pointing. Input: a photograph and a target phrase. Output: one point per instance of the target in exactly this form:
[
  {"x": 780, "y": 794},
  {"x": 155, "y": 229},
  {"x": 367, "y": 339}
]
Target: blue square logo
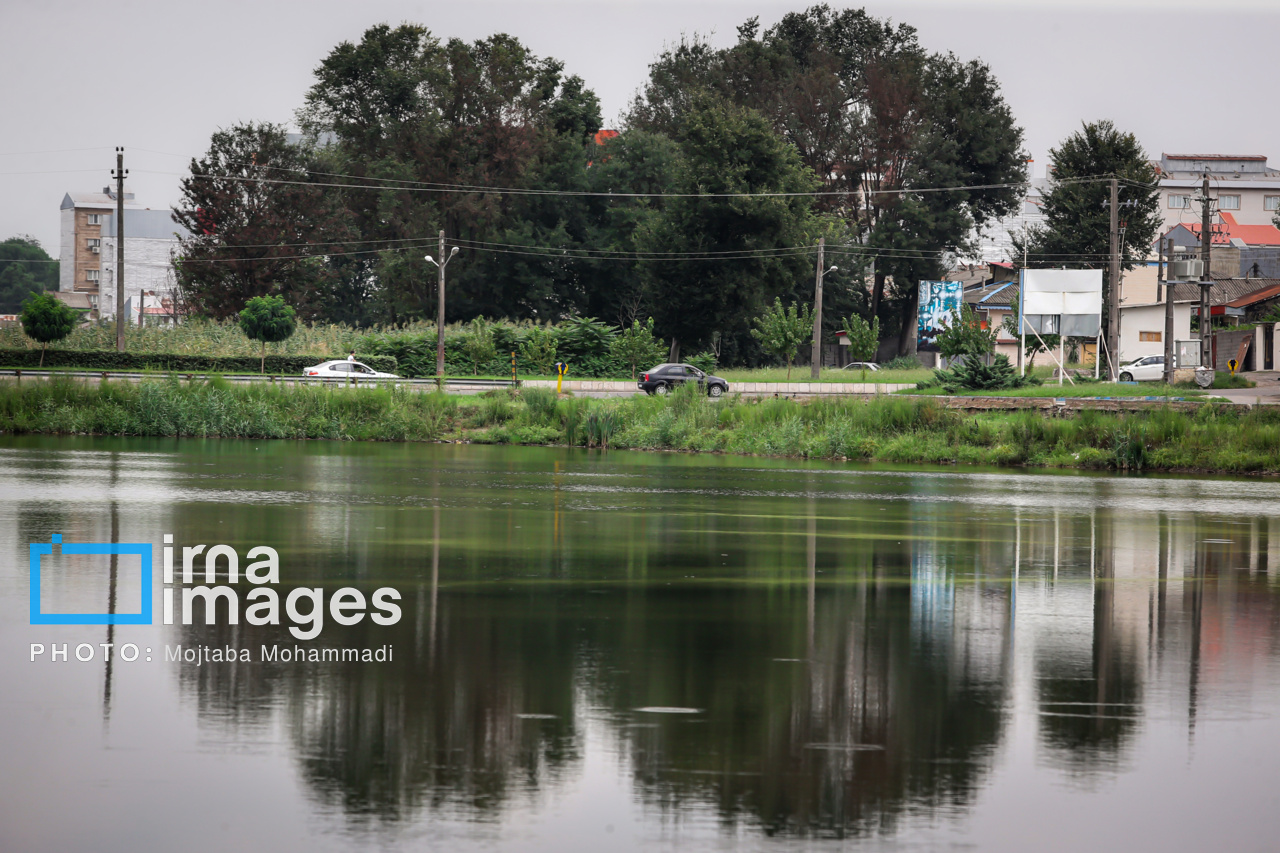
[{"x": 141, "y": 549}]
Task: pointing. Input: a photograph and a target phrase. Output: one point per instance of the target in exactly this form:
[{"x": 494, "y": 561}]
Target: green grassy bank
[{"x": 887, "y": 429}]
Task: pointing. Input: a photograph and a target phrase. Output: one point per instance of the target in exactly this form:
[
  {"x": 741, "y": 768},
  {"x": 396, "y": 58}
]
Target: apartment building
[
  {"x": 88, "y": 252},
  {"x": 1243, "y": 185}
]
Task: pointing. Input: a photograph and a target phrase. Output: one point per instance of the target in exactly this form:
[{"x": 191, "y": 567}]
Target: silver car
[
  {"x": 343, "y": 369},
  {"x": 1146, "y": 369}
]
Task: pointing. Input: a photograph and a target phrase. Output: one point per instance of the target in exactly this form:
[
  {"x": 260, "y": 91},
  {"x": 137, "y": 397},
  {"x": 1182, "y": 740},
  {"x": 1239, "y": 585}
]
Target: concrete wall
[
  {"x": 1138, "y": 286},
  {"x": 67, "y": 249},
  {"x": 1135, "y": 319}
]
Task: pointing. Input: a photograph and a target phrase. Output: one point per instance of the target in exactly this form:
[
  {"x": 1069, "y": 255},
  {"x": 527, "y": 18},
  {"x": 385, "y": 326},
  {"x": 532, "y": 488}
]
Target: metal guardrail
[{"x": 452, "y": 382}]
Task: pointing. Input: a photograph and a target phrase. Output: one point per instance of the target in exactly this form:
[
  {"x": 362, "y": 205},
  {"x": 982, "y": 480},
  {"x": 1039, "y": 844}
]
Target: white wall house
[
  {"x": 1243, "y": 185},
  {"x": 1142, "y": 328},
  {"x": 150, "y": 240}
]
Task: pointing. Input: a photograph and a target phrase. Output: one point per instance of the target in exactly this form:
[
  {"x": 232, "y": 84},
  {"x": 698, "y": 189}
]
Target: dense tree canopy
[
  {"x": 878, "y": 120},
  {"x": 726, "y": 149},
  {"x": 25, "y": 270},
  {"x": 849, "y": 128},
  {"x": 259, "y": 225}
]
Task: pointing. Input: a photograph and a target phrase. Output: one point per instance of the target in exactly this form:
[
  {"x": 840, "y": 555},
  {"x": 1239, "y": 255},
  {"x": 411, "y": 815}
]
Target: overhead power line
[{"x": 404, "y": 185}]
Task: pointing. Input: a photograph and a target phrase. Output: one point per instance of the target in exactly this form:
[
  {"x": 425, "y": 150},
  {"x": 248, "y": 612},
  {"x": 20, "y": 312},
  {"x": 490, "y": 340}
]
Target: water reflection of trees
[
  {"x": 869, "y": 721},
  {"x": 385, "y": 740},
  {"x": 856, "y": 669}
]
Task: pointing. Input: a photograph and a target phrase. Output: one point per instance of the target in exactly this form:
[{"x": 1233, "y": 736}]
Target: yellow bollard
[{"x": 561, "y": 367}]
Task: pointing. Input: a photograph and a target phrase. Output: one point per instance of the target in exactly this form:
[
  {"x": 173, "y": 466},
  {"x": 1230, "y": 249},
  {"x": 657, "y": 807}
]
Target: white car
[
  {"x": 861, "y": 365},
  {"x": 1146, "y": 369},
  {"x": 343, "y": 369}
]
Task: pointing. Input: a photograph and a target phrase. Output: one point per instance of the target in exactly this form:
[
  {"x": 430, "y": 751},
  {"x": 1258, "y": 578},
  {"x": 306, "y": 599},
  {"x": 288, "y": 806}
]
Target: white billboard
[{"x": 1065, "y": 302}]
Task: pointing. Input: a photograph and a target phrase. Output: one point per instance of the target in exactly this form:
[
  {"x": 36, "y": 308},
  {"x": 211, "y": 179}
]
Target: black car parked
[{"x": 664, "y": 377}]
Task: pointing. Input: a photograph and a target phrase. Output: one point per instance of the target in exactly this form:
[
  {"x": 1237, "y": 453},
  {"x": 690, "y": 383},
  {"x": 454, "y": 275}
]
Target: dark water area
[{"x": 631, "y": 651}]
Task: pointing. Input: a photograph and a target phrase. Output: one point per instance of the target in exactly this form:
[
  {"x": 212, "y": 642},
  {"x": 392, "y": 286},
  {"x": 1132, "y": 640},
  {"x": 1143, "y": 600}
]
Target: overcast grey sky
[{"x": 159, "y": 77}]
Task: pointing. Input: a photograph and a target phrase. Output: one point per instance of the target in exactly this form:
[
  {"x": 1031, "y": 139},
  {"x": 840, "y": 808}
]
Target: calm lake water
[{"x": 645, "y": 652}]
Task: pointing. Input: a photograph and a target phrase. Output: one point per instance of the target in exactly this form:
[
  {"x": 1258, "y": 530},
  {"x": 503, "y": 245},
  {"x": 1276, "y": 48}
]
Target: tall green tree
[
  {"x": 46, "y": 319},
  {"x": 1077, "y": 228},
  {"x": 25, "y": 270},
  {"x": 411, "y": 115},
  {"x": 781, "y": 330},
  {"x": 259, "y": 224},
  {"x": 881, "y": 121},
  {"x": 269, "y": 320},
  {"x": 722, "y": 262}
]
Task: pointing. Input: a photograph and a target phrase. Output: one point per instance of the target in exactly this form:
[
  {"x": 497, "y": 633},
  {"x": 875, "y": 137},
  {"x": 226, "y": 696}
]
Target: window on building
[
  {"x": 94, "y": 243},
  {"x": 1271, "y": 202},
  {"x": 1228, "y": 202},
  {"x": 93, "y": 300},
  {"x": 1179, "y": 201},
  {"x": 95, "y": 218},
  {"x": 92, "y": 275},
  {"x": 1154, "y": 337}
]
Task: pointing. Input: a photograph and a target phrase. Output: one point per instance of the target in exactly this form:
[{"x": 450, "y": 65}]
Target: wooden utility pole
[
  {"x": 1113, "y": 296},
  {"x": 1206, "y": 283},
  {"x": 1168, "y": 314},
  {"x": 121, "y": 319},
  {"x": 815, "y": 359}
]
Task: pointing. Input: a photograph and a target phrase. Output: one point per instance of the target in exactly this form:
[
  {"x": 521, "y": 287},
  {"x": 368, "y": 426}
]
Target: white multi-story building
[
  {"x": 88, "y": 252},
  {"x": 1242, "y": 185},
  {"x": 995, "y": 241}
]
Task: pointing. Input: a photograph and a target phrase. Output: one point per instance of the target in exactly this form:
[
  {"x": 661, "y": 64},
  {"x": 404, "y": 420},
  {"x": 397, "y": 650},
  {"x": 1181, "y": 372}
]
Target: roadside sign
[{"x": 1231, "y": 365}]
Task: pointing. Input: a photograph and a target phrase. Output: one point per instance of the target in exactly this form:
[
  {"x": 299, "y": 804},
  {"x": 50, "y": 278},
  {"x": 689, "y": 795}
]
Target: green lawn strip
[
  {"x": 1107, "y": 390},
  {"x": 886, "y": 429}
]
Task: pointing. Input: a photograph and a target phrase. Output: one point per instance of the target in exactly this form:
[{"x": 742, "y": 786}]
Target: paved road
[{"x": 1267, "y": 392}]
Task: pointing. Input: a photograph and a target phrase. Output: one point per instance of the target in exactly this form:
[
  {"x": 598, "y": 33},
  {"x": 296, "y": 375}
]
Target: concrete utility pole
[
  {"x": 1206, "y": 283},
  {"x": 121, "y": 320},
  {"x": 1113, "y": 297},
  {"x": 440, "y": 313},
  {"x": 440, "y": 265},
  {"x": 815, "y": 359},
  {"x": 1168, "y": 315}
]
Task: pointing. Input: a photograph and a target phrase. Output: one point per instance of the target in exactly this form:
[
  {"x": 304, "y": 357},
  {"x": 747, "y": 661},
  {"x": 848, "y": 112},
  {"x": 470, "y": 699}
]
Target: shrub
[
  {"x": 46, "y": 319},
  {"x": 268, "y": 320},
  {"x": 972, "y": 375}
]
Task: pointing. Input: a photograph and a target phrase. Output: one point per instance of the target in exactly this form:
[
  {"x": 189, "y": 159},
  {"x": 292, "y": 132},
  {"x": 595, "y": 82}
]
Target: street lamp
[
  {"x": 440, "y": 265},
  {"x": 815, "y": 358}
]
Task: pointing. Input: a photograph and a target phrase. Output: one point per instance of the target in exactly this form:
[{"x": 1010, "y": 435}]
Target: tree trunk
[
  {"x": 43, "y": 347},
  {"x": 907, "y": 338},
  {"x": 674, "y": 354},
  {"x": 877, "y": 293},
  {"x": 262, "y": 365},
  {"x": 789, "y": 368}
]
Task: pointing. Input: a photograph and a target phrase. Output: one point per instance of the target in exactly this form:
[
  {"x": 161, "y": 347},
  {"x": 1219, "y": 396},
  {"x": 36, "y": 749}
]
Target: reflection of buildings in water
[{"x": 1118, "y": 605}]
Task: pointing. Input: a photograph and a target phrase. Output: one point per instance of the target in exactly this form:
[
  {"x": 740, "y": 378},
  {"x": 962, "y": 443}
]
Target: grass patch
[
  {"x": 1091, "y": 389},
  {"x": 891, "y": 429}
]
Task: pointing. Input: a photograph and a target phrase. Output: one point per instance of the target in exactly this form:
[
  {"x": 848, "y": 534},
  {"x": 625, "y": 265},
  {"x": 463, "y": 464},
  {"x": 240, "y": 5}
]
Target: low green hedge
[{"x": 109, "y": 360}]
